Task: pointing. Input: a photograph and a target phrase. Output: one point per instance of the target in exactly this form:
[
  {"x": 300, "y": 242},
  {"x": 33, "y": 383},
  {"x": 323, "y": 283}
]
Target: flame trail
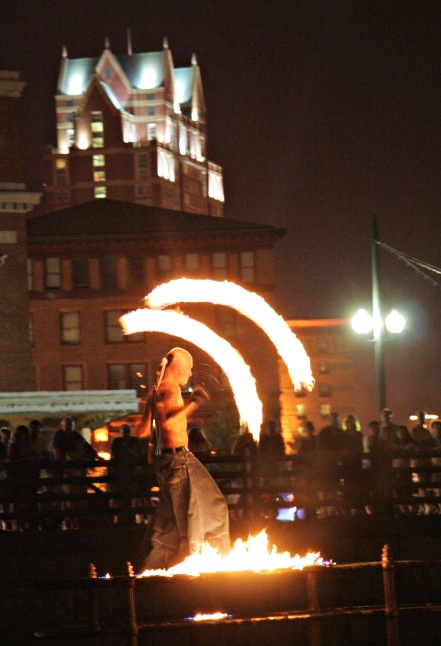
[
  {"x": 251, "y": 555},
  {"x": 251, "y": 305},
  {"x": 238, "y": 373}
]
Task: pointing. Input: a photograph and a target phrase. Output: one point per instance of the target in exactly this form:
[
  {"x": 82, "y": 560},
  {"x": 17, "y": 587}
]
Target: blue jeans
[{"x": 191, "y": 510}]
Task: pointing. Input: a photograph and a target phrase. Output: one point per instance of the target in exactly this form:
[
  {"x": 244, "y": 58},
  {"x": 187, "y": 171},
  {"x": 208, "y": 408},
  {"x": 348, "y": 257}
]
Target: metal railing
[{"x": 137, "y": 624}]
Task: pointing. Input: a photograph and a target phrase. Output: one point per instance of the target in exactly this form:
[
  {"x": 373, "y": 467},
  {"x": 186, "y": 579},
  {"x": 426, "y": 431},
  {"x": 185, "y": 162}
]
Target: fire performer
[{"x": 191, "y": 508}]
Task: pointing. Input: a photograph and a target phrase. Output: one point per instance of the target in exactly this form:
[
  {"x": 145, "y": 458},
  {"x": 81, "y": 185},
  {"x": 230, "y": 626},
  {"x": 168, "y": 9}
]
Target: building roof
[
  {"x": 144, "y": 71},
  {"x": 109, "y": 218}
]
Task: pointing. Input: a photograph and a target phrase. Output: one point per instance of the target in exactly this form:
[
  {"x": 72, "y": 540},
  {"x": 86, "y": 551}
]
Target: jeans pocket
[{"x": 175, "y": 474}]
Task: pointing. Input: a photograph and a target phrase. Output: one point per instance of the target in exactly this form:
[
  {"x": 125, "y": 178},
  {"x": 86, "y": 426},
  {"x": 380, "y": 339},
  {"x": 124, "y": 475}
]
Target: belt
[{"x": 169, "y": 450}]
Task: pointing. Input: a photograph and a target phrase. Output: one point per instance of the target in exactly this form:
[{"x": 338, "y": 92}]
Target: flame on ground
[
  {"x": 251, "y": 305},
  {"x": 251, "y": 555},
  {"x": 238, "y": 373}
]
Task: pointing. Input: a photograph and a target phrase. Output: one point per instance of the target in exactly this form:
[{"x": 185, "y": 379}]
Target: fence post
[
  {"x": 250, "y": 485},
  {"x": 132, "y": 626},
  {"x": 94, "y": 627},
  {"x": 390, "y": 601},
  {"x": 313, "y": 607}
]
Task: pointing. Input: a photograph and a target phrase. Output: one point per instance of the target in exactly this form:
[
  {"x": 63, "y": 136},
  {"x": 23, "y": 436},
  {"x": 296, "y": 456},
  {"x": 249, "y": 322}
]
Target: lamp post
[{"x": 364, "y": 323}]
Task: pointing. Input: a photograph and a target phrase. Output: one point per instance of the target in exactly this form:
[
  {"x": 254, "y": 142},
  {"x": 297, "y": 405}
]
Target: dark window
[
  {"x": 128, "y": 376},
  {"x": 136, "y": 271},
  {"x": 109, "y": 272},
  {"x": 80, "y": 272}
]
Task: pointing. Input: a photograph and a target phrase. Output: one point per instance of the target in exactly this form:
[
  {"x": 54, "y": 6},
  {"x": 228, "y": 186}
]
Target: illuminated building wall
[
  {"x": 147, "y": 121},
  {"x": 329, "y": 344}
]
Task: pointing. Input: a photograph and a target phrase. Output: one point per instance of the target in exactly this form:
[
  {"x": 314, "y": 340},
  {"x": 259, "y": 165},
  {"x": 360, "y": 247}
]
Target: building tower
[
  {"x": 132, "y": 128},
  {"x": 16, "y": 202}
]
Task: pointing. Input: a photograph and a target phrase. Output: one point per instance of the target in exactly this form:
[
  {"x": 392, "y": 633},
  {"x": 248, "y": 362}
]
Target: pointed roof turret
[
  {"x": 107, "y": 43},
  {"x": 194, "y": 60},
  {"x": 165, "y": 43},
  {"x": 64, "y": 52}
]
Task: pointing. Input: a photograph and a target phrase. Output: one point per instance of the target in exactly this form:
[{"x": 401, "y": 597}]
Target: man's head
[
  {"x": 386, "y": 416},
  {"x": 125, "y": 430},
  {"x": 180, "y": 362},
  {"x": 67, "y": 424}
]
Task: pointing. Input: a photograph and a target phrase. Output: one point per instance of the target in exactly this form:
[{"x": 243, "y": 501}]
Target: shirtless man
[{"x": 191, "y": 507}]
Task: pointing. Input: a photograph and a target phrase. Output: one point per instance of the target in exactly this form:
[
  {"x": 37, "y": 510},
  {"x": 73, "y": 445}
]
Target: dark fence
[
  {"x": 355, "y": 603},
  {"x": 49, "y": 495}
]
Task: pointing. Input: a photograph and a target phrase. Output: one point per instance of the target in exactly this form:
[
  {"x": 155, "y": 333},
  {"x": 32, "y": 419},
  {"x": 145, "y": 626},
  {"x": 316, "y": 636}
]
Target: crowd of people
[{"x": 24, "y": 450}]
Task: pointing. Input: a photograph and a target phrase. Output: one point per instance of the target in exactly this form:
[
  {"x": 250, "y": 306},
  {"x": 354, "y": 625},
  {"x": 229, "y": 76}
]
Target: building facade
[
  {"x": 16, "y": 202},
  {"x": 132, "y": 128},
  {"x": 91, "y": 263},
  {"x": 329, "y": 345}
]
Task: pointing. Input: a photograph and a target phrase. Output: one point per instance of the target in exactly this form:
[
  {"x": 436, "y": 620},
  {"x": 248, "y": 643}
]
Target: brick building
[
  {"x": 15, "y": 203},
  {"x": 93, "y": 262},
  {"x": 329, "y": 344}
]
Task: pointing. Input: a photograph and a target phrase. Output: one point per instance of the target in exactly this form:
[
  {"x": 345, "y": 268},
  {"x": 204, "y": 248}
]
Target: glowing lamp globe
[
  {"x": 362, "y": 322},
  {"x": 395, "y": 322}
]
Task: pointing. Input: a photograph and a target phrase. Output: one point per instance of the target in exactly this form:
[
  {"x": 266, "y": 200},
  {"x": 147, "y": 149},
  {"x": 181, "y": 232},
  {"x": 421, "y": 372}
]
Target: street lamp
[{"x": 364, "y": 323}]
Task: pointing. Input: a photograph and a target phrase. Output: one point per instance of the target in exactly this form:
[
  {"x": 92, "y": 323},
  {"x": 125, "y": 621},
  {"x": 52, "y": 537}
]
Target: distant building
[
  {"x": 16, "y": 371},
  {"x": 132, "y": 128},
  {"x": 329, "y": 344}
]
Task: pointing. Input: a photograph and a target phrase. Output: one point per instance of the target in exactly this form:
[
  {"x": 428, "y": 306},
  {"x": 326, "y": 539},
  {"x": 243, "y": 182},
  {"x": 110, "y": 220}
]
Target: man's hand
[{"x": 199, "y": 396}]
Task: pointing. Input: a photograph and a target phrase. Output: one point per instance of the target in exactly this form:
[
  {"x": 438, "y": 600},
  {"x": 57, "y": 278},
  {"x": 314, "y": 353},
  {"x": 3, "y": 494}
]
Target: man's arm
[{"x": 144, "y": 428}]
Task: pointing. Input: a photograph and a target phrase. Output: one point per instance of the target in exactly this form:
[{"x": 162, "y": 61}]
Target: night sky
[{"x": 322, "y": 114}]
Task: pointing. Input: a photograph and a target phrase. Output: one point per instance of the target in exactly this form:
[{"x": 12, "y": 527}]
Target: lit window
[
  {"x": 215, "y": 187},
  {"x": 70, "y": 328},
  {"x": 60, "y": 173},
  {"x": 300, "y": 410},
  {"x": 53, "y": 272},
  {"x": 325, "y": 410},
  {"x": 219, "y": 265},
  {"x": 99, "y": 175},
  {"x": 100, "y": 192},
  {"x": 247, "y": 270},
  {"x": 98, "y": 161},
  {"x": 166, "y": 165},
  {"x": 151, "y": 131},
  {"x": 97, "y": 128},
  {"x": 70, "y": 137},
  {"x": 73, "y": 377}
]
